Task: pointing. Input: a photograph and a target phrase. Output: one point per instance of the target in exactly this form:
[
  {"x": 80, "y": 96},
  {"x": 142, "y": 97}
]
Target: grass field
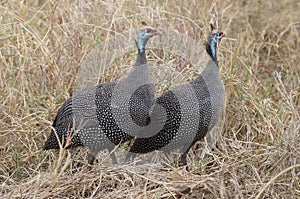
[{"x": 44, "y": 43}]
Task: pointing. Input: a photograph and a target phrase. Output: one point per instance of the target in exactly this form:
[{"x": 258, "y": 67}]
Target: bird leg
[
  {"x": 113, "y": 157},
  {"x": 91, "y": 158},
  {"x": 183, "y": 157},
  {"x": 130, "y": 156}
]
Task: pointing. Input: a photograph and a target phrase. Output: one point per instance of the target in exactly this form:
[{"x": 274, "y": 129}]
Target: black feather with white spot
[
  {"x": 87, "y": 117},
  {"x": 202, "y": 113}
]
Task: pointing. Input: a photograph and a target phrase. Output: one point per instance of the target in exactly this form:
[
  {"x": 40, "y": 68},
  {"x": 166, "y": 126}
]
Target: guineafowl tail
[{"x": 56, "y": 138}]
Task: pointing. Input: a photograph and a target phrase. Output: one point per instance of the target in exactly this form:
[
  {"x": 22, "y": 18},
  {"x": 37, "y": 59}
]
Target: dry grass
[{"x": 43, "y": 43}]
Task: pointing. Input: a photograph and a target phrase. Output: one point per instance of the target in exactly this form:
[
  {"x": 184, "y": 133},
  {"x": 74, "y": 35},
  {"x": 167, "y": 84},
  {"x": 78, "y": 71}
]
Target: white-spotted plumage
[
  {"x": 88, "y": 118},
  {"x": 192, "y": 109}
]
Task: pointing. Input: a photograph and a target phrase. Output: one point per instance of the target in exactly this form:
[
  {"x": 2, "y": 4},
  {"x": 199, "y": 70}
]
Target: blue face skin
[
  {"x": 143, "y": 37},
  {"x": 214, "y": 41}
]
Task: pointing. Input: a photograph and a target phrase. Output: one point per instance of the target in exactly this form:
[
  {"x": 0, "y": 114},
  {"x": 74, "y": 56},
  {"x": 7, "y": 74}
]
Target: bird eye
[{"x": 148, "y": 30}]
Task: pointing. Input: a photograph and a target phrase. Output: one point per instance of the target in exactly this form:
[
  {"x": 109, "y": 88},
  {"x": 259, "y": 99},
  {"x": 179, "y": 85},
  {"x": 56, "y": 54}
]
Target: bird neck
[
  {"x": 212, "y": 53},
  {"x": 141, "y": 43},
  {"x": 141, "y": 58},
  {"x": 211, "y": 49}
]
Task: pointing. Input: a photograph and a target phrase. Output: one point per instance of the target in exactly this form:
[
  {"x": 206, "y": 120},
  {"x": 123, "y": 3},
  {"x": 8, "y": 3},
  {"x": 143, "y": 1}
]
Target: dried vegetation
[{"x": 43, "y": 43}]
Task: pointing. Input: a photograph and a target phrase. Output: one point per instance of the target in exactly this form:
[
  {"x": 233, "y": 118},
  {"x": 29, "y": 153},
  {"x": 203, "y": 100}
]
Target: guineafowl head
[
  {"x": 214, "y": 37},
  {"x": 144, "y": 34}
]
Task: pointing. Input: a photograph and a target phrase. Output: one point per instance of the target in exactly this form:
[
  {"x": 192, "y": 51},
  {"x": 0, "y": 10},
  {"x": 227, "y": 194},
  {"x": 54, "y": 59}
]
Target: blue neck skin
[
  {"x": 141, "y": 41},
  {"x": 211, "y": 47}
]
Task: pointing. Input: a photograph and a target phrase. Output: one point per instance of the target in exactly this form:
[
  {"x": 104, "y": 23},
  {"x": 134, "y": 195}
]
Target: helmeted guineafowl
[
  {"x": 188, "y": 111},
  {"x": 108, "y": 114}
]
